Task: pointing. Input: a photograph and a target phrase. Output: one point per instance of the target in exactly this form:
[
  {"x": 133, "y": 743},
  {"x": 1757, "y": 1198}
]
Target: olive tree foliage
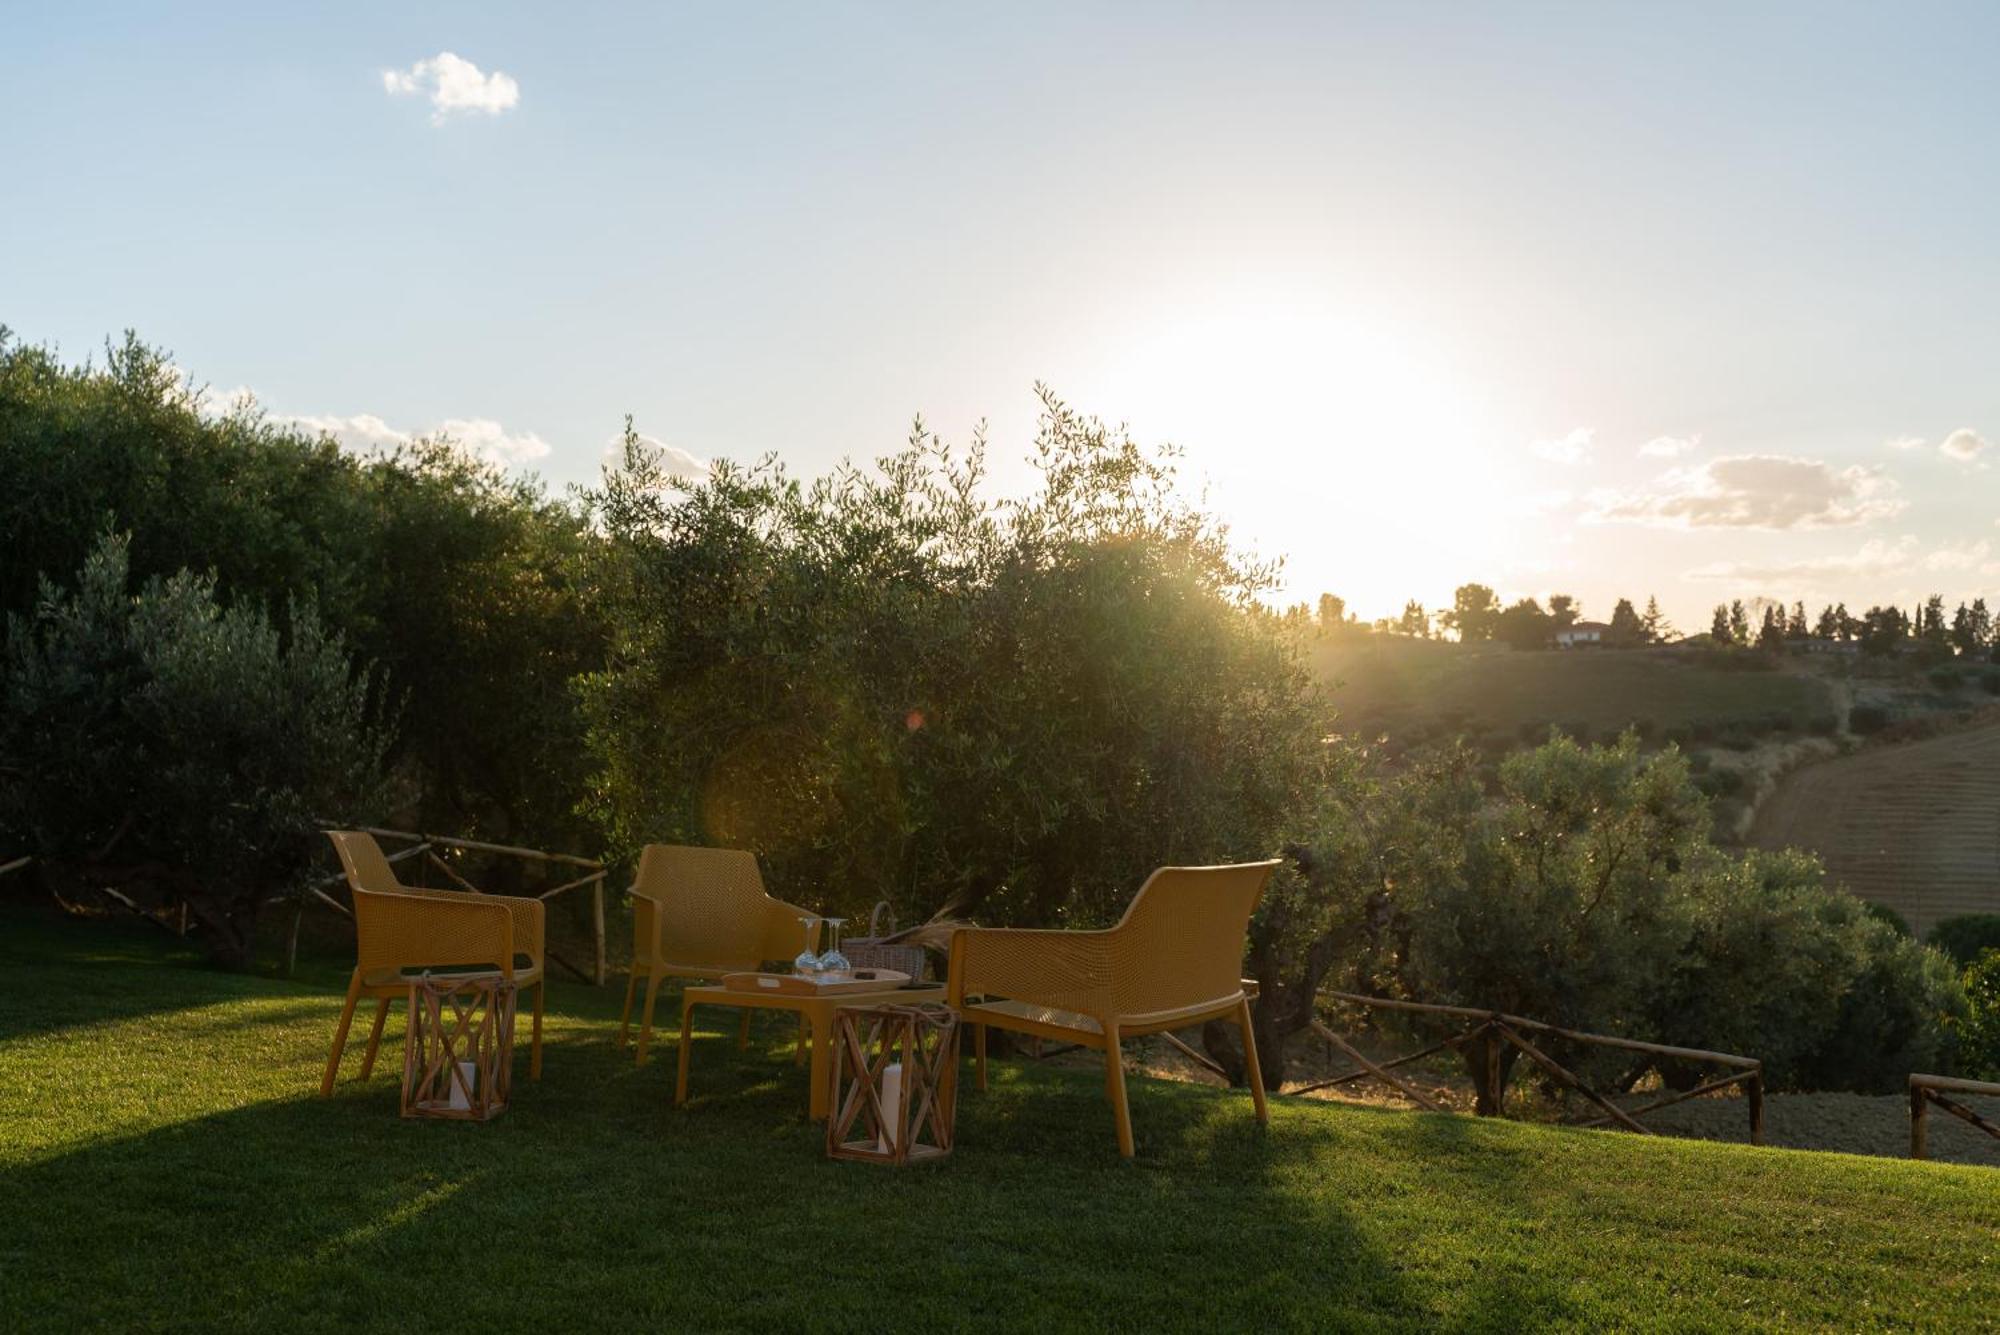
[
  {"x": 177, "y": 750},
  {"x": 1585, "y": 891},
  {"x": 891, "y": 685},
  {"x": 448, "y": 574}
]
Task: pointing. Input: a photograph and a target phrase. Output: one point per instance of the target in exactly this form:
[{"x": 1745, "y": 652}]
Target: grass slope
[
  {"x": 1383, "y": 683},
  {"x": 164, "y": 1165}
]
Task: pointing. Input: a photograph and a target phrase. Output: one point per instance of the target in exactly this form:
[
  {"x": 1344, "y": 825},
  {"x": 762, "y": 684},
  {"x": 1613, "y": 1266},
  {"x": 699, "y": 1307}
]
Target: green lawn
[{"x": 163, "y": 1163}]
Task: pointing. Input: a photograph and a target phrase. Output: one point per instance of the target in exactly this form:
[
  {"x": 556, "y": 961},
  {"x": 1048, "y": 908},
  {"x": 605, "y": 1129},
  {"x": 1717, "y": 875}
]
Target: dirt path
[
  {"x": 1847, "y": 1123},
  {"x": 1914, "y": 826}
]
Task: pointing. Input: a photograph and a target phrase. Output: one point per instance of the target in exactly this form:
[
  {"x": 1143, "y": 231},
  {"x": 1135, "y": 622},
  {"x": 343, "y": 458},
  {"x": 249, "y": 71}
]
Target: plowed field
[{"x": 1915, "y": 827}]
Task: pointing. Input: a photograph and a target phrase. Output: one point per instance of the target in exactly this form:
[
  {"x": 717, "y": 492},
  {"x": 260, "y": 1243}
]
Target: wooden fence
[
  {"x": 424, "y": 849},
  {"x": 1928, "y": 1089},
  {"x": 1493, "y": 1031}
]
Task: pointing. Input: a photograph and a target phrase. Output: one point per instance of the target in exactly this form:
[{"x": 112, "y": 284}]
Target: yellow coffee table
[{"x": 816, "y": 1010}]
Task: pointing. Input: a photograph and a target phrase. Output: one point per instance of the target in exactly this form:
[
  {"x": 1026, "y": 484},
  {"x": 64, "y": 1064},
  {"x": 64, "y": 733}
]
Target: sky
[{"x": 1695, "y": 301}]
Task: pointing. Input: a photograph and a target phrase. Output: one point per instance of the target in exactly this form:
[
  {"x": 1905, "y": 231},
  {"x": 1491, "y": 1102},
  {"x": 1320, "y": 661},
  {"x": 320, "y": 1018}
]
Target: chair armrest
[{"x": 1063, "y": 970}]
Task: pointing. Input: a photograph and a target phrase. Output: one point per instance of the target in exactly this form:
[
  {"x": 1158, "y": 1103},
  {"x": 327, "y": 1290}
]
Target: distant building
[
  {"x": 1824, "y": 644},
  {"x": 1581, "y": 632}
]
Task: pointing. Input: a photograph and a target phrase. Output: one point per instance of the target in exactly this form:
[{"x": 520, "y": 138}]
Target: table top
[{"x": 888, "y": 996}]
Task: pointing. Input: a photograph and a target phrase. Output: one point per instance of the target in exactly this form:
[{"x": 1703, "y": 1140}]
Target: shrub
[
  {"x": 1990, "y": 680},
  {"x": 1979, "y": 1032},
  {"x": 1944, "y": 679},
  {"x": 1787, "y": 968},
  {"x": 177, "y": 749},
  {"x": 1882, "y": 913},
  {"x": 1863, "y": 720},
  {"x": 1587, "y": 891},
  {"x": 1966, "y": 936},
  {"x": 1720, "y": 782},
  {"x": 1823, "y": 725}
]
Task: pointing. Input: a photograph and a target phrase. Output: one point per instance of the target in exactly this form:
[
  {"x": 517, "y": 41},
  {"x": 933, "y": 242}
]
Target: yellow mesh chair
[
  {"x": 1173, "y": 960},
  {"x": 399, "y": 929},
  {"x": 702, "y": 913}
]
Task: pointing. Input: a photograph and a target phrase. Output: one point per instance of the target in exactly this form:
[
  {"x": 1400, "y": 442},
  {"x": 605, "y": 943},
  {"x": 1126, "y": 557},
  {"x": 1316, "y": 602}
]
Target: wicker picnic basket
[{"x": 880, "y": 949}]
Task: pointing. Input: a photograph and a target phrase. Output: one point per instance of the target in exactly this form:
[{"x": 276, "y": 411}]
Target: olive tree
[
  {"x": 891, "y": 685},
  {"x": 177, "y": 750}
]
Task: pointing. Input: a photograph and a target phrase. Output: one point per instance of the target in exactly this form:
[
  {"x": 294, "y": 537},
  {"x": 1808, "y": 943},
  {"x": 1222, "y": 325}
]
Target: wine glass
[
  {"x": 833, "y": 961},
  {"x": 805, "y": 962}
]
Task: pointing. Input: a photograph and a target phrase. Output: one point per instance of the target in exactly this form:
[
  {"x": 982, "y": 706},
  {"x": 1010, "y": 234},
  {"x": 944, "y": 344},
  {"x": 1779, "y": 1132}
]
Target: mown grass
[{"x": 164, "y": 1165}]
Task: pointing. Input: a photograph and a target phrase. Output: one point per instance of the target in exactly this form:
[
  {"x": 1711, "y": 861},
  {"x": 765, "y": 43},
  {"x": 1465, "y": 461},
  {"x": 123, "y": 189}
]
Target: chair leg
[
  {"x": 686, "y": 1051},
  {"x": 374, "y": 1037},
  {"x": 340, "y": 1036},
  {"x": 535, "y": 1043},
  {"x": 646, "y": 1016},
  {"x": 1114, "y": 1078},
  {"x": 625, "y": 1017},
  {"x": 743, "y": 1031},
  {"x": 1250, "y": 1064},
  {"x": 979, "y": 1056}
]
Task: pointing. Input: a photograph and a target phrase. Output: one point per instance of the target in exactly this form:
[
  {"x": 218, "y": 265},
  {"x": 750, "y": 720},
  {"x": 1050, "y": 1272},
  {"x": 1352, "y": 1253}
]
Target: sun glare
[{"x": 1337, "y": 440}]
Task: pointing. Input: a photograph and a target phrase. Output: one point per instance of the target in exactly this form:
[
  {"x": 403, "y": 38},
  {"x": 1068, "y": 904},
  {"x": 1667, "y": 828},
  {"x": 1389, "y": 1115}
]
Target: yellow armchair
[
  {"x": 701, "y": 913},
  {"x": 399, "y": 929},
  {"x": 1175, "y": 959}
]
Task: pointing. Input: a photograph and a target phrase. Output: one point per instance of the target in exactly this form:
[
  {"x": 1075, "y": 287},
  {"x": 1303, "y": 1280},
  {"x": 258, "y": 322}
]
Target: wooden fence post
[
  {"x": 1920, "y": 1107},
  {"x": 1753, "y": 1088},
  {"x": 597, "y": 924},
  {"x": 1495, "y": 1072}
]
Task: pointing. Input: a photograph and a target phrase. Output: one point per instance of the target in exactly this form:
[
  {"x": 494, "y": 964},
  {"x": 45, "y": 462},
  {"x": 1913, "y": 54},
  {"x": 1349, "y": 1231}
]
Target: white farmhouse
[{"x": 1581, "y": 632}]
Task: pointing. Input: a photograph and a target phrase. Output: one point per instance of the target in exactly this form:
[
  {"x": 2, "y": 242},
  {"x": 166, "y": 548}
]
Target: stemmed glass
[
  {"x": 805, "y": 962},
  {"x": 833, "y": 961}
]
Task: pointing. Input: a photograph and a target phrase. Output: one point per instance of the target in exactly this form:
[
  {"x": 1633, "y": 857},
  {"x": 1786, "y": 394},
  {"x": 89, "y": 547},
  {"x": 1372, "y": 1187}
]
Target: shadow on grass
[{"x": 593, "y": 1200}]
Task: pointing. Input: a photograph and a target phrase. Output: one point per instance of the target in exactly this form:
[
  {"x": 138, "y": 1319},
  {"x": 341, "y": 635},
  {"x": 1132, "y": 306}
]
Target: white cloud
[
  {"x": 362, "y": 433},
  {"x": 676, "y": 461},
  {"x": 453, "y": 84},
  {"x": 480, "y": 436},
  {"x": 1876, "y": 559},
  {"x": 1669, "y": 447},
  {"x": 1964, "y": 445},
  {"x": 1570, "y": 449},
  {"x": 1769, "y": 491},
  {"x": 1905, "y": 444},
  {"x": 1961, "y": 556}
]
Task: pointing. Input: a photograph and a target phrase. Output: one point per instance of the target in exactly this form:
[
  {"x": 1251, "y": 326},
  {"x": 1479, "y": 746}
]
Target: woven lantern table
[
  {"x": 458, "y": 1056},
  {"x": 895, "y": 1083}
]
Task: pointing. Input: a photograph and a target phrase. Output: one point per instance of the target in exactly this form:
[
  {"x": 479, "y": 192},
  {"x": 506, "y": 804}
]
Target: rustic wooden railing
[
  {"x": 426, "y": 846},
  {"x": 1928, "y": 1089},
  {"x": 1493, "y": 1029}
]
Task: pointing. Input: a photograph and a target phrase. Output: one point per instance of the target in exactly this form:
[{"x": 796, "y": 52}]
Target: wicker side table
[
  {"x": 895, "y": 1084},
  {"x": 458, "y": 1055}
]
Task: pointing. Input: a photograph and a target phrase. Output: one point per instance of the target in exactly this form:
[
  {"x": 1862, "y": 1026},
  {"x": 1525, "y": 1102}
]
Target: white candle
[
  {"x": 892, "y": 1106},
  {"x": 461, "y": 1087}
]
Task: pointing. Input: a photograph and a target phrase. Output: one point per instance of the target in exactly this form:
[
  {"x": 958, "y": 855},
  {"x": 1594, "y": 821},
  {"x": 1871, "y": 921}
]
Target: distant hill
[{"x": 1415, "y": 689}]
